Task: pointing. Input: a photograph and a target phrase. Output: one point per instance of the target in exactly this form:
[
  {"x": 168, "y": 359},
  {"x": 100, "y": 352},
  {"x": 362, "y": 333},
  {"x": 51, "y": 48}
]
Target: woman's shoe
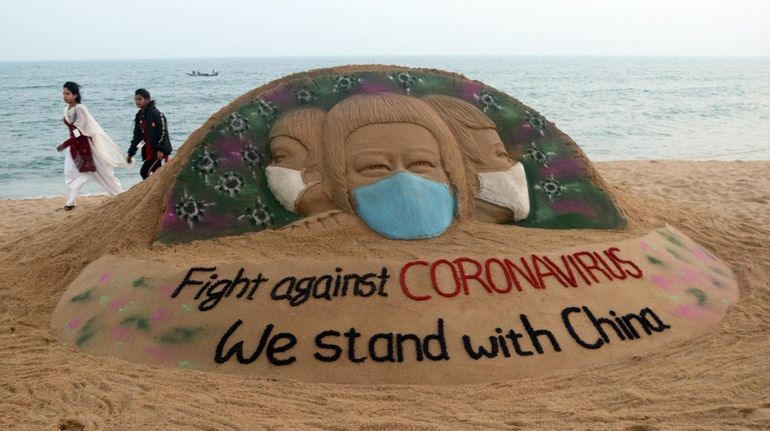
[{"x": 66, "y": 208}]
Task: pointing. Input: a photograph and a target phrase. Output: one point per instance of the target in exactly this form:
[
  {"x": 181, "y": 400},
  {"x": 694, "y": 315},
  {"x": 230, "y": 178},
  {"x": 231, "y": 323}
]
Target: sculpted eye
[
  {"x": 278, "y": 158},
  {"x": 375, "y": 168},
  {"x": 420, "y": 164}
]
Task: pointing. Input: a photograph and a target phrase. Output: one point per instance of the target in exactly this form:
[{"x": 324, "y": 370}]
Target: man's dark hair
[{"x": 142, "y": 92}]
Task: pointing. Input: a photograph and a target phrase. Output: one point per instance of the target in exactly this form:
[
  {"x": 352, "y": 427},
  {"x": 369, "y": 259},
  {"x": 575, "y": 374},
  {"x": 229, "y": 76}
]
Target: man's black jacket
[{"x": 157, "y": 132}]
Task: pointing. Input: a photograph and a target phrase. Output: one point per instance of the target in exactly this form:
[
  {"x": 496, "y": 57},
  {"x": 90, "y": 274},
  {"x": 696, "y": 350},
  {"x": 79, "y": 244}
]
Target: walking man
[{"x": 149, "y": 126}]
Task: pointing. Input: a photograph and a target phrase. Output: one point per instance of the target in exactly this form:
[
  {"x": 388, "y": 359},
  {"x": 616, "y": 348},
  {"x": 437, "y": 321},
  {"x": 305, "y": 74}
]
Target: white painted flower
[
  {"x": 190, "y": 210},
  {"x": 486, "y": 100},
  {"x": 230, "y": 183},
  {"x": 550, "y": 187},
  {"x": 259, "y": 215}
]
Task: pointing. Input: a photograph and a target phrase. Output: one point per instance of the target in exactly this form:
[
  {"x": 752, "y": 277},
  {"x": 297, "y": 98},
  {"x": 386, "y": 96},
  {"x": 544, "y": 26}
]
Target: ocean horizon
[{"x": 615, "y": 108}]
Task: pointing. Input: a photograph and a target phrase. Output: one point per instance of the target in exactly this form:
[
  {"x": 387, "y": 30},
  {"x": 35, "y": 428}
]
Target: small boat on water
[{"x": 199, "y": 73}]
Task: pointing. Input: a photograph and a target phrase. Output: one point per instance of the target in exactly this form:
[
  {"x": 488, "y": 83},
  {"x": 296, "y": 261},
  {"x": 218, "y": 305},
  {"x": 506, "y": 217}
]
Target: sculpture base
[{"x": 457, "y": 319}]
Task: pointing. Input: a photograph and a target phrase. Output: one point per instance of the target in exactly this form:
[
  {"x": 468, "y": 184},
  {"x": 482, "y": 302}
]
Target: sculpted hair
[
  {"x": 304, "y": 125},
  {"x": 361, "y": 110},
  {"x": 73, "y": 88},
  {"x": 461, "y": 117}
]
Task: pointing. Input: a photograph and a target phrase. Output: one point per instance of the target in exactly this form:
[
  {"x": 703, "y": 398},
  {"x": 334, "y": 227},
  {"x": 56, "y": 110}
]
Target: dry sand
[{"x": 719, "y": 381}]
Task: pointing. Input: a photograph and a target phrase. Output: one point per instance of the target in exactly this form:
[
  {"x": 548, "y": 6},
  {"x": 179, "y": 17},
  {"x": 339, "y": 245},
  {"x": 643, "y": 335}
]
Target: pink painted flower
[
  {"x": 160, "y": 315},
  {"x": 281, "y": 95},
  {"x": 702, "y": 255},
  {"x": 688, "y": 311},
  {"x": 662, "y": 282},
  {"x": 121, "y": 334},
  {"x": 159, "y": 354},
  {"x": 693, "y": 277},
  {"x": 118, "y": 303},
  {"x": 469, "y": 89}
]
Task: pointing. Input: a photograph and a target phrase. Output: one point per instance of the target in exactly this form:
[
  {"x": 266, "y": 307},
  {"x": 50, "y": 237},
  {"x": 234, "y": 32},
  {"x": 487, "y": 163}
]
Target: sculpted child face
[
  {"x": 494, "y": 156},
  {"x": 376, "y": 151},
  {"x": 287, "y": 152},
  {"x": 501, "y": 187},
  {"x": 298, "y": 189},
  {"x": 293, "y": 174},
  {"x": 503, "y": 194}
]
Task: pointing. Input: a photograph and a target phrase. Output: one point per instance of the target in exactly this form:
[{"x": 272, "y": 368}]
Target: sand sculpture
[
  {"x": 222, "y": 190},
  {"x": 408, "y": 163}
]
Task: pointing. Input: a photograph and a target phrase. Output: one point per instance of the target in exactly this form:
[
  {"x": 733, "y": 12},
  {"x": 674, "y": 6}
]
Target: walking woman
[{"x": 91, "y": 153}]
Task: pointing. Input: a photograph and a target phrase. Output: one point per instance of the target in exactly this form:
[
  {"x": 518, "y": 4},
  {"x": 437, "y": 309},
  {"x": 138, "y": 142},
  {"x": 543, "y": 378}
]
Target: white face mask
[
  {"x": 507, "y": 189},
  {"x": 287, "y": 185}
]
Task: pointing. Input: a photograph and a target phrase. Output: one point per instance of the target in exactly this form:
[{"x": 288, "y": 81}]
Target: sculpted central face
[
  {"x": 397, "y": 182},
  {"x": 376, "y": 151}
]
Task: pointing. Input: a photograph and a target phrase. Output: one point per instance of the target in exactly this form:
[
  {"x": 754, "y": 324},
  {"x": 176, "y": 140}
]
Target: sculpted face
[
  {"x": 376, "y": 151},
  {"x": 289, "y": 153},
  {"x": 397, "y": 181},
  {"x": 494, "y": 156},
  {"x": 503, "y": 196}
]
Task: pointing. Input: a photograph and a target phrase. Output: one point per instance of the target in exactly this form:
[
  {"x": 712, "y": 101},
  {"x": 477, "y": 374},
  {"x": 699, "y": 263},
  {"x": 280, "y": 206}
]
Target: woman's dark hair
[
  {"x": 74, "y": 88},
  {"x": 142, "y": 92}
]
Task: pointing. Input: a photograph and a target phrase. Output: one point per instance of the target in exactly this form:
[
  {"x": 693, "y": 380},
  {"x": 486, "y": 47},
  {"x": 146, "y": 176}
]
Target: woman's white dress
[{"x": 106, "y": 154}]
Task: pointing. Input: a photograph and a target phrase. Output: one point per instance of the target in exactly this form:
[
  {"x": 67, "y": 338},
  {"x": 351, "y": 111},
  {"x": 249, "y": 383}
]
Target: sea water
[{"x": 615, "y": 108}]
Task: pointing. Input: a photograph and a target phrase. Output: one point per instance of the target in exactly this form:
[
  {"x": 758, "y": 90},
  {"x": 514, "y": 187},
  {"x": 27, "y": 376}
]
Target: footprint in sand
[{"x": 71, "y": 425}]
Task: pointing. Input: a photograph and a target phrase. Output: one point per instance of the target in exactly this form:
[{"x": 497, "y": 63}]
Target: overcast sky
[{"x": 132, "y": 29}]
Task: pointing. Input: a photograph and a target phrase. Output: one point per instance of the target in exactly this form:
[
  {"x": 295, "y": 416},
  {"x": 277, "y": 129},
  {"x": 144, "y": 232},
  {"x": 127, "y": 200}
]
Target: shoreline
[{"x": 597, "y": 163}]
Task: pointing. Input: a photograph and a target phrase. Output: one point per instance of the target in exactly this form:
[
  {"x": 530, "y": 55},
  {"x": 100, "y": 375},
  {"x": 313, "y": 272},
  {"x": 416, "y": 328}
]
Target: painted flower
[
  {"x": 237, "y": 124},
  {"x": 252, "y": 157},
  {"x": 344, "y": 83},
  {"x": 267, "y": 110},
  {"x": 304, "y": 96},
  {"x": 259, "y": 215},
  {"x": 406, "y": 80},
  {"x": 536, "y": 121},
  {"x": 190, "y": 210},
  {"x": 230, "y": 183},
  {"x": 539, "y": 156},
  {"x": 205, "y": 163},
  {"x": 486, "y": 100},
  {"x": 550, "y": 187}
]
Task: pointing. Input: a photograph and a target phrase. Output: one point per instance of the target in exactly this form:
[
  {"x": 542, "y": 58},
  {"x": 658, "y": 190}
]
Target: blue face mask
[{"x": 406, "y": 206}]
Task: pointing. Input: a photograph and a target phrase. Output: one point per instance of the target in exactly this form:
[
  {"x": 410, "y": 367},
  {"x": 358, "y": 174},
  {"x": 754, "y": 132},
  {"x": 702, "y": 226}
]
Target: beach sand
[{"x": 719, "y": 381}]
